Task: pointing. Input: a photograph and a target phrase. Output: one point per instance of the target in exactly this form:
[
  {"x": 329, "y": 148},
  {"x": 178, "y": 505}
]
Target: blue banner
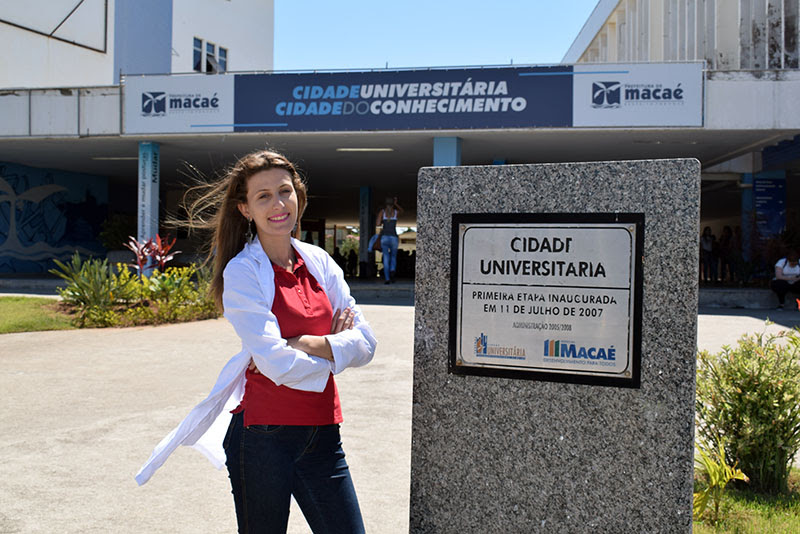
[
  {"x": 523, "y": 97},
  {"x": 769, "y": 199}
]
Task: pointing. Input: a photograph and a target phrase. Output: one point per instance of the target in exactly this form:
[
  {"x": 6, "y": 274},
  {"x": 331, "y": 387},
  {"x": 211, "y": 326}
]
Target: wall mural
[{"x": 46, "y": 214}]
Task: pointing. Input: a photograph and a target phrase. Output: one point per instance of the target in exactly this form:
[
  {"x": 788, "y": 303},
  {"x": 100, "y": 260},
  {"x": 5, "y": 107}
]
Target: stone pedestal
[{"x": 510, "y": 455}]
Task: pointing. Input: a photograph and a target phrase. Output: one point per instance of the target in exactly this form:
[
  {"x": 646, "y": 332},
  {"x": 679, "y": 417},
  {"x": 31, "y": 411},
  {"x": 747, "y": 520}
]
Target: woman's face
[{"x": 271, "y": 203}]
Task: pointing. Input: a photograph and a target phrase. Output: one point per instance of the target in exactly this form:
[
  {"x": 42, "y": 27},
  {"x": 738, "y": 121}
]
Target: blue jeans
[
  {"x": 389, "y": 250},
  {"x": 267, "y": 464}
]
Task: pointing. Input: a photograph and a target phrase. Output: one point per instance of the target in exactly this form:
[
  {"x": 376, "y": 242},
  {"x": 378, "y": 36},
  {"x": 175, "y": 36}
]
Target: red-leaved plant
[
  {"x": 158, "y": 251},
  {"x": 161, "y": 251},
  {"x": 142, "y": 252}
]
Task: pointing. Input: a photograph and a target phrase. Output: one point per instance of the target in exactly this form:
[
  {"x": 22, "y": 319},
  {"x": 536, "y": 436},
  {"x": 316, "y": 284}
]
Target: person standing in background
[
  {"x": 708, "y": 257},
  {"x": 727, "y": 271},
  {"x": 389, "y": 239}
]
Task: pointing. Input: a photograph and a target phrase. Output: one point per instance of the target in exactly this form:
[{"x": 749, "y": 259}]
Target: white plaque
[{"x": 548, "y": 296}]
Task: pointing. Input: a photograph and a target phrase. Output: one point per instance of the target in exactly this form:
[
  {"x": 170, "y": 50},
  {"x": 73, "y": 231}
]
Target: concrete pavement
[{"x": 82, "y": 410}]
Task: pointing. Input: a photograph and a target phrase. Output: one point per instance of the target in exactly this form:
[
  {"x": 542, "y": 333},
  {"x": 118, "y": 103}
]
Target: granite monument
[{"x": 554, "y": 350}]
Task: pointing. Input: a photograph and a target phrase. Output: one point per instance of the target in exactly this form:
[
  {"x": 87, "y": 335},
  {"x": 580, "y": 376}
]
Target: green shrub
[
  {"x": 98, "y": 317},
  {"x": 103, "y": 298},
  {"x": 174, "y": 284},
  {"x": 748, "y": 398},
  {"x": 93, "y": 288}
]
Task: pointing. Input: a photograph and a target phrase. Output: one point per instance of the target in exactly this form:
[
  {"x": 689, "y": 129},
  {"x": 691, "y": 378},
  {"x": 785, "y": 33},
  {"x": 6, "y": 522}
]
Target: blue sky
[{"x": 355, "y": 34}]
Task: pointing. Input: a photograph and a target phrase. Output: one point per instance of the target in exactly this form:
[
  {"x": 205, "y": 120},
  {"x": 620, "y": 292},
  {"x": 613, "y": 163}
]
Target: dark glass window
[
  {"x": 197, "y": 59},
  {"x": 211, "y": 57},
  {"x": 222, "y": 60}
]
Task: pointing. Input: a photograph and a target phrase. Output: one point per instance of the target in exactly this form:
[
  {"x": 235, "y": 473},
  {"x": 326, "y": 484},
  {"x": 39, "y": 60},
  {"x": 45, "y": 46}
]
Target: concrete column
[
  {"x": 366, "y": 229},
  {"x": 149, "y": 177},
  {"x": 611, "y": 40},
  {"x": 726, "y": 32},
  {"x": 691, "y": 30},
  {"x": 759, "y": 34},
  {"x": 446, "y": 151},
  {"x": 700, "y": 30},
  {"x": 791, "y": 13}
]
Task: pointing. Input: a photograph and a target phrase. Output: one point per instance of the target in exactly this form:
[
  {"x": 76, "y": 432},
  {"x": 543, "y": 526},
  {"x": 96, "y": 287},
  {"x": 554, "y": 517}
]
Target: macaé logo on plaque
[{"x": 547, "y": 296}]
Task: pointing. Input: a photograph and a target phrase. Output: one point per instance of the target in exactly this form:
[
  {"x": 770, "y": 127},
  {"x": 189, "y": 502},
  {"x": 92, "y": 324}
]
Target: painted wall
[
  {"x": 244, "y": 27},
  {"x": 46, "y": 214},
  {"x": 143, "y": 38},
  {"x": 35, "y": 60},
  {"x": 86, "y": 111},
  {"x": 759, "y": 103}
]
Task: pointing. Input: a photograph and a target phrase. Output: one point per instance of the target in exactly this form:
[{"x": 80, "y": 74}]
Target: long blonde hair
[{"x": 221, "y": 201}]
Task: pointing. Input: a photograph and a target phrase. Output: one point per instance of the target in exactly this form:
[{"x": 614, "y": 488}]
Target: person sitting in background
[{"x": 787, "y": 277}]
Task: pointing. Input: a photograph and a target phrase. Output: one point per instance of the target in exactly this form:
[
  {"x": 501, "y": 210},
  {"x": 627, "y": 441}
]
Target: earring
[{"x": 249, "y": 235}]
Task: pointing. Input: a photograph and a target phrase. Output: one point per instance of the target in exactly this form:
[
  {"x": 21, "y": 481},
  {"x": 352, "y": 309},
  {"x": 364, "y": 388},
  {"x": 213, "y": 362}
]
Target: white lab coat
[{"x": 247, "y": 299}]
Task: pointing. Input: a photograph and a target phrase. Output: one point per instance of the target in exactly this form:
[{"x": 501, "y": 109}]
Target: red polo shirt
[{"x": 302, "y": 307}]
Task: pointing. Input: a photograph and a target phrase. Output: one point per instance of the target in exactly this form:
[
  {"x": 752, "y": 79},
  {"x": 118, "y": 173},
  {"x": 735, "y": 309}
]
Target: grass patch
[
  {"x": 746, "y": 512},
  {"x": 31, "y": 314}
]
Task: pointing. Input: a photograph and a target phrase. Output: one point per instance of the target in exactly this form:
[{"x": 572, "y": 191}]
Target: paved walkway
[{"x": 82, "y": 410}]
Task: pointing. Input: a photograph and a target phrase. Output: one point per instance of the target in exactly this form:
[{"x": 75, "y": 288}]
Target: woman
[
  {"x": 288, "y": 302},
  {"x": 787, "y": 277},
  {"x": 389, "y": 239}
]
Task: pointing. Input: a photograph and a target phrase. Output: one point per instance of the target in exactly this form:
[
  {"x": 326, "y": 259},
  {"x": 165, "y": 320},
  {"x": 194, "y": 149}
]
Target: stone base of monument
[{"x": 520, "y": 422}]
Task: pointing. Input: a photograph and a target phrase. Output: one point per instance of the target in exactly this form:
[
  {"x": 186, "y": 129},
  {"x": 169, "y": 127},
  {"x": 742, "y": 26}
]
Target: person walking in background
[
  {"x": 787, "y": 277},
  {"x": 288, "y": 302},
  {"x": 389, "y": 239}
]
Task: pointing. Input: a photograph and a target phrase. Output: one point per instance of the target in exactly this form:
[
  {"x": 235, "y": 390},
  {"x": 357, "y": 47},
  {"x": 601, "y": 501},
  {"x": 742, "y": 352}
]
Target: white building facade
[
  {"x": 752, "y": 84},
  {"x": 73, "y": 43},
  {"x": 61, "y": 87},
  {"x": 191, "y": 81}
]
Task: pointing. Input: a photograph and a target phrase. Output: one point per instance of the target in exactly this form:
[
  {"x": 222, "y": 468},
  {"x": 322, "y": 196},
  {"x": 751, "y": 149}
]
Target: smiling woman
[
  {"x": 299, "y": 326},
  {"x": 272, "y": 207}
]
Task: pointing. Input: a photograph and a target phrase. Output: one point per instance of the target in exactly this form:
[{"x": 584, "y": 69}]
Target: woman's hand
[
  {"x": 318, "y": 345},
  {"x": 342, "y": 321}
]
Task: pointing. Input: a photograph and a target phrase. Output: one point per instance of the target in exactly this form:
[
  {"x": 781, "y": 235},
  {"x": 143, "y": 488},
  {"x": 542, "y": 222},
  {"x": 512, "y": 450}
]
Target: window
[
  {"x": 205, "y": 58},
  {"x": 222, "y": 59},
  {"x": 197, "y": 58},
  {"x": 211, "y": 57}
]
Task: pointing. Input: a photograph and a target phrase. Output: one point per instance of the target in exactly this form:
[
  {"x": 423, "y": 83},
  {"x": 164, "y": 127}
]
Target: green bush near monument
[
  {"x": 101, "y": 296},
  {"x": 748, "y": 397}
]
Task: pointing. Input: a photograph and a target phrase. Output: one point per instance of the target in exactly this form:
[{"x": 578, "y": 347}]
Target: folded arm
[
  {"x": 351, "y": 347},
  {"x": 256, "y": 325}
]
